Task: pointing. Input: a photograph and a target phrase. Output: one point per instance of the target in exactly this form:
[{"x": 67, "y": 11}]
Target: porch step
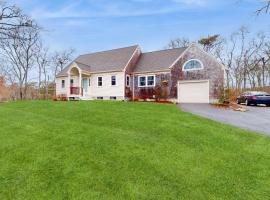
[{"x": 85, "y": 98}]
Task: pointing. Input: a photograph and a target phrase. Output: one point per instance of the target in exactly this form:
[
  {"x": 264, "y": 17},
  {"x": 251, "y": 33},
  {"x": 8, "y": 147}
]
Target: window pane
[
  {"x": 99, "y": 81},
  {"x": 89, "y": 82},
  {"x": 113, "y": 80},
  {"x": 127, "y": 82},
  {"x": 142, "y": 81},
  {"x": 193, "y": 64},
  {"x": 150, "y": 80},
  {"x": 63, "y": 83},
  {"x": 71, "y": 82}
]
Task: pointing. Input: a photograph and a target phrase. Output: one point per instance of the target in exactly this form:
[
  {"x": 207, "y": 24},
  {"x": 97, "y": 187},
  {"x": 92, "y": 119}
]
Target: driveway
[{"x": 256, "y": 119}]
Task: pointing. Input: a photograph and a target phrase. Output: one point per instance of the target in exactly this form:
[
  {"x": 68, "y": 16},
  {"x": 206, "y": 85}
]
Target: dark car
[{"x": 254, "y": 98}]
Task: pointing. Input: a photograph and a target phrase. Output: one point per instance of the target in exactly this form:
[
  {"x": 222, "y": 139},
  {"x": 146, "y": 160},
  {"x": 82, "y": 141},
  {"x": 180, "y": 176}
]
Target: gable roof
[
  {"x": 158, "y": 60},
  {"x": 112, "y": 60}
]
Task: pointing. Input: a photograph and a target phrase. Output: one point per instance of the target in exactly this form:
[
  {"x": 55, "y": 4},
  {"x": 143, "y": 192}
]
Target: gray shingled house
[{"x": 184, "y": 75}]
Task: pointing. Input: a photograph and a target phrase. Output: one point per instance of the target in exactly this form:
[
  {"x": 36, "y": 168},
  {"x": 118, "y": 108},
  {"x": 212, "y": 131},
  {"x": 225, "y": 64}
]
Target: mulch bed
[{"x": 231, "y": 106}]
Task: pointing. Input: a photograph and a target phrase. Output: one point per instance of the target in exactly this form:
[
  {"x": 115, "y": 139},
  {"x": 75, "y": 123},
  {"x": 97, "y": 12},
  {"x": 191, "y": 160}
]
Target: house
[{"x": 184, "y": 75}]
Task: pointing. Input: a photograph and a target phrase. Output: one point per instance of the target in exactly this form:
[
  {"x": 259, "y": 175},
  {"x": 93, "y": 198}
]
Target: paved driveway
[{"x": 256, "y": 119}]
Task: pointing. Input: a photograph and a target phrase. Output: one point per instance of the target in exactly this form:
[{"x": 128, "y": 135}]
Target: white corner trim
[{"x": 195, "y": 69}]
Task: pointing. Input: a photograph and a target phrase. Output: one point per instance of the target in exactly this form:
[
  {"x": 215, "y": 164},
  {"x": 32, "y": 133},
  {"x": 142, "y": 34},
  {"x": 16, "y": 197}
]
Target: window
[
  {"x": 127, "y": 80},
  {"x": 150, "y": 81},
  {"x": 99, "y": 98},
  {"x": 113, "y": 80},
  {"x": 71, "y": 82},
  {"x": 89, "y": 82},
  {"x": 142, "y": 81},
  {"x": 147, "y": 81},
  {"x": 193, "y": 64},
  {"x": 112, "y": 98},
  {"x": 63, "y": 83},
  {"x": 99, "y": 81}
]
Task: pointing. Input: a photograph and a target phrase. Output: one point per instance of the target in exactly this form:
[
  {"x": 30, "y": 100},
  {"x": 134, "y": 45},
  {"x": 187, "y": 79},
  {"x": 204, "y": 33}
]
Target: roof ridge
[
  {"x": 109, "y": 50},
  {"x": 165, "y": 50}
]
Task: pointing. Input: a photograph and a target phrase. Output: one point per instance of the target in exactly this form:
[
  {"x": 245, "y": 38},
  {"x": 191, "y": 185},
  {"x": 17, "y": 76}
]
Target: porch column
[
  {"x": 68, "y": 85},
  {"x": 80, "y": 83}
]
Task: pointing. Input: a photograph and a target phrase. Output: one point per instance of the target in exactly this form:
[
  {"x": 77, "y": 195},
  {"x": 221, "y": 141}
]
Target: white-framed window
[
  {"x": 113, "y": 80},
  {"x": 99, "y": 81},
  {"x": 63, "y": 83},
  {"x": 89, "y": 82},
  {"x": 193, "y": 64},
  {"x": 112, "y": 98},
  {"x": 71, "y": 82},
  {"x": 150, "y": 80},
  {"x": 147, "y": 81},
  {"x": 99, "y": 98},
  {"x": 128, "y": 80}
]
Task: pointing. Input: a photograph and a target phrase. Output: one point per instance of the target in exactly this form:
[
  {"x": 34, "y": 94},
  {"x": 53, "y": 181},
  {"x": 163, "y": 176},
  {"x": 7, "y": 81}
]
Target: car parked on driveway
[{"x": 254, "y": 98}]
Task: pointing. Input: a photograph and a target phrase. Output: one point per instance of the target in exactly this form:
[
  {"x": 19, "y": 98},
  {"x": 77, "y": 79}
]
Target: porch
[{"x": 78, "y": 84}]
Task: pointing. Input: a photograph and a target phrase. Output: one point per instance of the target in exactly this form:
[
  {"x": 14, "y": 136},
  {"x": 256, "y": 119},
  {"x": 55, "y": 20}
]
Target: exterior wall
[
  {"x": 212, "y": 71},
  {"x": 63, "y": 91},
  {"x": 107, "y": 90},
  {"x": 59, "y": 89},
  {"x": 159, "y": 78}
]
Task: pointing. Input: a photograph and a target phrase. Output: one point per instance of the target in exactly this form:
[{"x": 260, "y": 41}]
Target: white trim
[
  {"x": 74, "y": 65},
  {"x": 194, "y": 69},
  {"x": 152, "y": 72},
  {"x": 146, "y": 81}
]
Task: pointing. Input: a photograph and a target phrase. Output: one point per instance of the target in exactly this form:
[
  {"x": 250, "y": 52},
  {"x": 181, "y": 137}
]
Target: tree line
[
  {"x": 245, "y": 55},
  {"x": 26, "y": 62}
]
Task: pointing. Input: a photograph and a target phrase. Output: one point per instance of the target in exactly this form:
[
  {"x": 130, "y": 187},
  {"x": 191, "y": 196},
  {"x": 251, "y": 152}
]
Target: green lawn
[{"x": 116, "y": 150}]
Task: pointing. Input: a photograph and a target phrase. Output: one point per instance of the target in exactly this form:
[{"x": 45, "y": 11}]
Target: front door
[{"x": 84, "y": 86}]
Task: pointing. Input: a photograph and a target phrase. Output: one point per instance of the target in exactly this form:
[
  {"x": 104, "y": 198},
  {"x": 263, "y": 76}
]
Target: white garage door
[{"x": 193, "y": 91}]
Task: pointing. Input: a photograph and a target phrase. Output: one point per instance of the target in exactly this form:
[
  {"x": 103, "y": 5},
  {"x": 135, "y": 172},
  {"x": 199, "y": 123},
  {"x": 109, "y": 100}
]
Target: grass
[{"x": 115, "y": 150}]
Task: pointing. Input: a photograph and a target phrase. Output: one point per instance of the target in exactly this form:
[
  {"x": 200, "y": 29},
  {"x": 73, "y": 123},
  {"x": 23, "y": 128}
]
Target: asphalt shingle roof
[
  {"x": 112, "y": 60},
  {"x": 158, "y": 60},
  {"x": 117, "y": 59}
]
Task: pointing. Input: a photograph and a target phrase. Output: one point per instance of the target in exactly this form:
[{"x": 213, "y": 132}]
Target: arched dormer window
[{"x": 193, "y": 64}]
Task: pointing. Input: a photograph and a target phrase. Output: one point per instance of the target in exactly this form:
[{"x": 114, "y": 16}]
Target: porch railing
[{"x": 75, "y": 90}]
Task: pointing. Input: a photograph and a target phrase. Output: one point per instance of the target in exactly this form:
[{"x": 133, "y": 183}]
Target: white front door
[{"x": 84, "y": 86}]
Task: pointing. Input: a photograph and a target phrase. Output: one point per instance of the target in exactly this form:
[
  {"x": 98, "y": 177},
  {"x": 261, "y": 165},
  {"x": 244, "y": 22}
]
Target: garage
[{"x": 193, "y": 91}]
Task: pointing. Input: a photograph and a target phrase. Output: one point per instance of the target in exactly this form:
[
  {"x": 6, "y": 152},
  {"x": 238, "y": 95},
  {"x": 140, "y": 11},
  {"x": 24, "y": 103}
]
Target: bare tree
[
  {"x": 60, "y": 59},
  {"x": 11, "y": 18},
  {"x": 265, "y": 7},
  {"x": 19, "y": 51},
  {"x": 178, "y": 43},
  {"x": 43, "y": 63}
]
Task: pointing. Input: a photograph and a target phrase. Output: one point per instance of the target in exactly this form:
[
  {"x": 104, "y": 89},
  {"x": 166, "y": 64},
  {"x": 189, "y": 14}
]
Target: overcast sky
[{"x": 93, "y": 25}]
